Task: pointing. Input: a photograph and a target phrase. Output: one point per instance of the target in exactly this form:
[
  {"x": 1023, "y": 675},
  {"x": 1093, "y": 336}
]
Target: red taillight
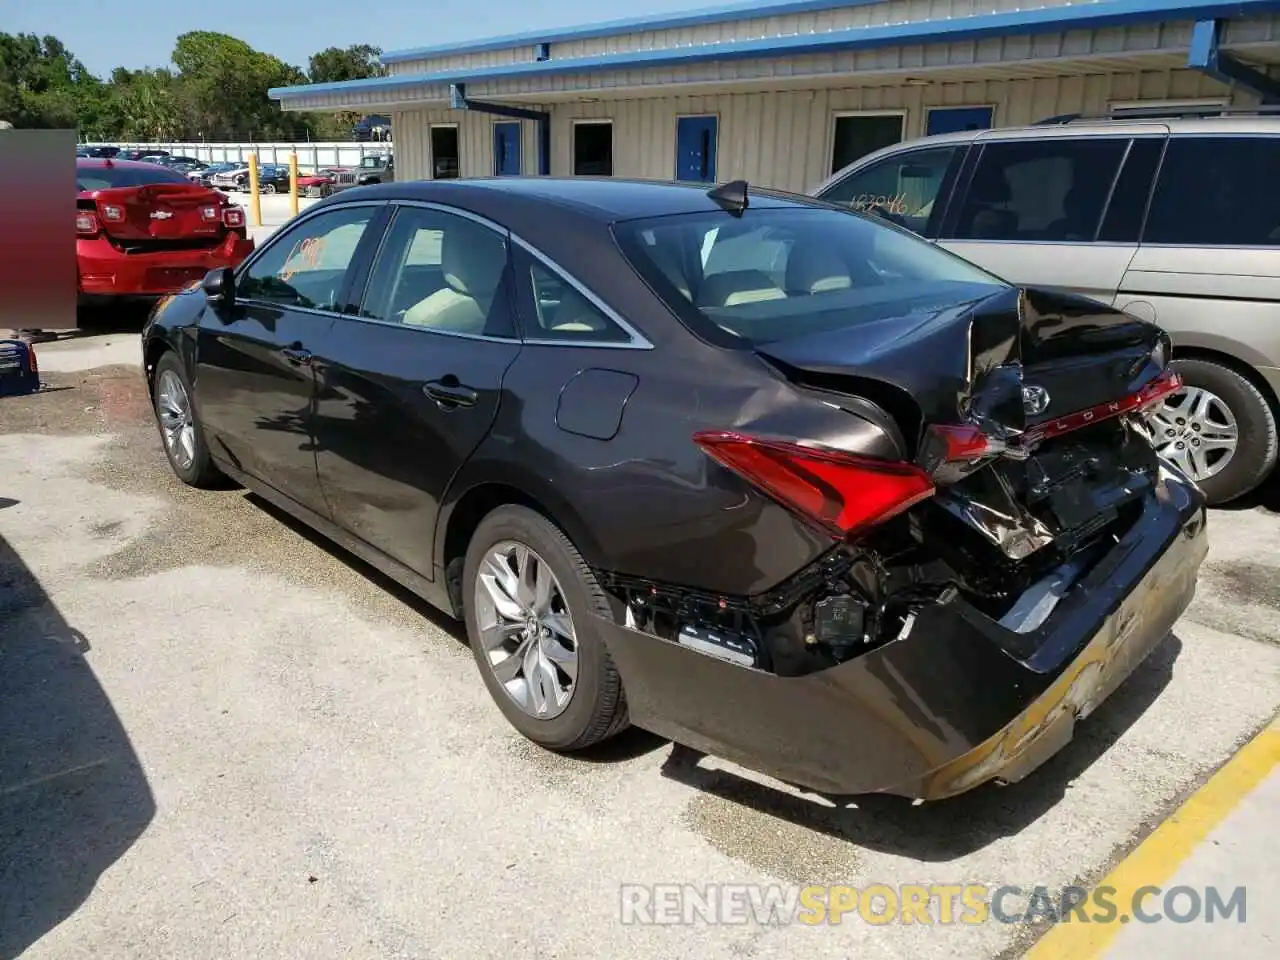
[
  {"x": 842, "y": 493},
  {"x": 963, "y": 443},
  {"x": 210, "y": 214},
  {"x": 232, "y": 217},
  {"x": 86, "y": 223},
  {"x": 111, "y": 213}
]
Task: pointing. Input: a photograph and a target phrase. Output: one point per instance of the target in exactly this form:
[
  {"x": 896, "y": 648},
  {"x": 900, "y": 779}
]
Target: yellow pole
[
  {"x": 293, "y": 183},
  {"x": 255, "y": 198}
]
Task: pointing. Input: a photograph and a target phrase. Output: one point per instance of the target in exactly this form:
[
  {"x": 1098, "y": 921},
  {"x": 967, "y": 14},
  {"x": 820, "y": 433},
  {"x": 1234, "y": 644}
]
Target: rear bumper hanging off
[{"x": 953, "y": 703}]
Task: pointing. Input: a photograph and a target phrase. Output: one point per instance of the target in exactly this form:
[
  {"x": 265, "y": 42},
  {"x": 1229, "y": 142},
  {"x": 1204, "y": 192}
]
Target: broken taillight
[{"x": 839, "y": 492}]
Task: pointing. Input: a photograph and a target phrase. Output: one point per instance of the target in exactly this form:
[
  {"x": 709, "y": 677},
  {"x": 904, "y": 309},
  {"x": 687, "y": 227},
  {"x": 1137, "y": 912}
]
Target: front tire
[
  {"x": 1220, "y": 430},
  {"x": 180, "y": 430},
  {"x": 529, "y": 603}
]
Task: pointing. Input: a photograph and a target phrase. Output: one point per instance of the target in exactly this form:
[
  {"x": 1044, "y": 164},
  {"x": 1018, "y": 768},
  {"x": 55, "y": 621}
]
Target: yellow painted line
[{"x": 1159, "y": 856}]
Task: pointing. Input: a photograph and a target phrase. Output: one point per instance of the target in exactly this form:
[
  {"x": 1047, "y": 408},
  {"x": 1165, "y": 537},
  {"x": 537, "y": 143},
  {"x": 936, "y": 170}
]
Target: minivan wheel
[
  {"x": 529, "y": 602},
  {"x": 1219, "y": 430}
]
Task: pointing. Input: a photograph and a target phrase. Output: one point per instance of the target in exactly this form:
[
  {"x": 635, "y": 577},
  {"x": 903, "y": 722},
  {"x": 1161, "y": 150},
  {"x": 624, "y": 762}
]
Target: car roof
[{"x": 605, "y": 199}]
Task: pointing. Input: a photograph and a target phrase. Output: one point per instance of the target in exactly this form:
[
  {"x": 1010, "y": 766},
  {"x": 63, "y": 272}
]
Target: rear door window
[
  {"x": 443, "y": 272},
  {"x": 911, "y": 187},
  {"x": 1044, "y": 190},
  {"x": 1217, "y": 191}
]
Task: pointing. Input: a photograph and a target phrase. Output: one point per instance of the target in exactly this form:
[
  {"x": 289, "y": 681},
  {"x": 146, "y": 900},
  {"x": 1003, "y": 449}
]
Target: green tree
[{"x": 336, "y": 64}]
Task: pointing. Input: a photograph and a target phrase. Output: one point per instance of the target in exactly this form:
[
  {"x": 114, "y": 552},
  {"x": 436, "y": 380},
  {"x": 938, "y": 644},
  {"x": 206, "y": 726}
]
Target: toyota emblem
[{"x": 1035, "y": 399}]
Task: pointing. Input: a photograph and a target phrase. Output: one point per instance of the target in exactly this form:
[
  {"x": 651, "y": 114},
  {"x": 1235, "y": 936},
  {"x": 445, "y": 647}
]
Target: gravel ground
[{"x": 220, "y": 737}]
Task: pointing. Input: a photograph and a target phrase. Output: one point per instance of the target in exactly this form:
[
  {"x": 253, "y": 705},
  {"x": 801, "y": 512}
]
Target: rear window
[
  {"x": 106, "y": 178},
  {"x": 775, "y": 274}
]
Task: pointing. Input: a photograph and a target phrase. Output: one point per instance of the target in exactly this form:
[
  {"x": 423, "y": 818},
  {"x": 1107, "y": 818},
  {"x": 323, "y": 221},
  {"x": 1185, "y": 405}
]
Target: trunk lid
[
  {"x": 160, "y": 211},
  {"x": 1016, "y": 404},
  {"x": 970, "y": 362}
]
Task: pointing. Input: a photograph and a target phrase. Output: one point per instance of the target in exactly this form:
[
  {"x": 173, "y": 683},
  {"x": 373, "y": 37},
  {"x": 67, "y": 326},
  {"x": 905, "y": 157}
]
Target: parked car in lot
[
  {"x": 143, "y": 231},
  {"x": 234, "y": 178},
  {"x": 1150, "y": 211},
  {"x": 315, "y": 184},
  {"x": 373, "y": 169},
  {"x": 777, "y": 480},
  {"x": 205, "y": 176}
]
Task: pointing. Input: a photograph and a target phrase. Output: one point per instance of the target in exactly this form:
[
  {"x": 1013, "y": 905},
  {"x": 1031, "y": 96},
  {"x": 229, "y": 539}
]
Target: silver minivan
[{"x": 1174, "y": 219}]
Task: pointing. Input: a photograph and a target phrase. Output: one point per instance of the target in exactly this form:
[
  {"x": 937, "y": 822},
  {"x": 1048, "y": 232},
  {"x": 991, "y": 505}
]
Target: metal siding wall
[
  {"x": 844, "y": 18},
  {"x": 783, "y": 139}
]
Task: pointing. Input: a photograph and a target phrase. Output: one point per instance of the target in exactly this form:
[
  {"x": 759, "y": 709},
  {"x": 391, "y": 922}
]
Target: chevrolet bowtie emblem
[{"x": 160, "y": 214}]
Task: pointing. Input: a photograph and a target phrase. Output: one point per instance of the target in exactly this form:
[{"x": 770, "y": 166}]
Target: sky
[{"x": 139, "y": 33}]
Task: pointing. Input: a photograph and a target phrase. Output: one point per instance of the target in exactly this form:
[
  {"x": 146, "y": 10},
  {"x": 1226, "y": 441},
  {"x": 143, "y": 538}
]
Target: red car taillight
[
  {"x": 111, "y": 213},
  {"x": 86, "y": 223},
  {"x": 210, "y": 214},
  {"x": 232, "y": 217},
  {"x": 841, "y": 493}
]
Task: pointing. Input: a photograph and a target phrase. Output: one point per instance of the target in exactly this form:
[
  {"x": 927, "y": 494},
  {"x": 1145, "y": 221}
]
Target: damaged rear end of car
[{"x": 1005, "y": 548}]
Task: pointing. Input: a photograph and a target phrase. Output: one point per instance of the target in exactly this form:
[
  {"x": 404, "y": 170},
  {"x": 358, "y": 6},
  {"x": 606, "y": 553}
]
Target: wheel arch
[
  {"x": 1232, "y": 362},
  {"x": 479, "y": 495}
]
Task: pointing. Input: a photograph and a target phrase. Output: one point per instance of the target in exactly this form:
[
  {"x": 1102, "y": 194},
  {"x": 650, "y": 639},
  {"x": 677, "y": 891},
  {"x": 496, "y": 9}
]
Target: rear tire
[
  {"x": 180, "y": 431},
  {"x": 596, "y": 706},
  {"x": 1248, "y": 414}
]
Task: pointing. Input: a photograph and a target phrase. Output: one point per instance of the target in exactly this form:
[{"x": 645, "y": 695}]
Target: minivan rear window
[
  {"x": 773, "y": 274},
  {"x": 1217, "y": 191}
]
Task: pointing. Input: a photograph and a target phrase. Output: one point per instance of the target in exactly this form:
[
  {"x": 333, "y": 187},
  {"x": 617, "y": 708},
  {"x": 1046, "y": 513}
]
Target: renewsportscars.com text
[{"x": 927, "y": 904}]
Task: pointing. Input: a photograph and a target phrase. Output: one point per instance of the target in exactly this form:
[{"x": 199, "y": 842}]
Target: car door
[
  {"x": 1212, "y": 237},
  {"x": 910, "y": 187},
  {"x": 410, "y": 387},
  {"x": 1032, "y": 211},
  {"x": 254, "y": 384}
]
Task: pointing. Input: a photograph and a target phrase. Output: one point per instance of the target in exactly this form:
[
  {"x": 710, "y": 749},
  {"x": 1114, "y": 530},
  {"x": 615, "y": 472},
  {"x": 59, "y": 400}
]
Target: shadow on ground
[
  {"x": 934, "y": 832},
  {"x": 73, "y": 796},
  {"x": 1266, "y": 496}
]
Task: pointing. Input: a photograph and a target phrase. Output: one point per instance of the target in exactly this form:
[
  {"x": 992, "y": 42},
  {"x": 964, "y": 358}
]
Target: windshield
[
  {"x": 107, "y": 178},
  {"x": 779, "y": 273}
]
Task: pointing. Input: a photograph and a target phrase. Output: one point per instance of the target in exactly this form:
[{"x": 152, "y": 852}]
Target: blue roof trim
[
  {"x": 1105, "y": 13},
  {"x": 607, "y": 28}
]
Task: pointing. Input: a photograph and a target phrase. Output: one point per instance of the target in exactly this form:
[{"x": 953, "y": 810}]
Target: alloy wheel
[
  {"x": 177, "y": 425},
  {"x": 526, "y": 629},
  {"x": 1196, "y": 431}
]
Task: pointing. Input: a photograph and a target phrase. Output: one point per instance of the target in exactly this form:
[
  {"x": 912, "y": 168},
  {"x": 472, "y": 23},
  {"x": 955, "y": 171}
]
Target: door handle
[
  {"x": 295, "y": 353},
  {"x": 448, "y": 393}
]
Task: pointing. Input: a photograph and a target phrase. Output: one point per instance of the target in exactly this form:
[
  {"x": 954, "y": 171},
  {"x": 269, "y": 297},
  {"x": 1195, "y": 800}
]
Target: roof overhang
[{"x": 386, "y": 92}]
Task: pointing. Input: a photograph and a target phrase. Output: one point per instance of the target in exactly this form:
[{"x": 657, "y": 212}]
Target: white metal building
[{"x": 782, "y": 93}]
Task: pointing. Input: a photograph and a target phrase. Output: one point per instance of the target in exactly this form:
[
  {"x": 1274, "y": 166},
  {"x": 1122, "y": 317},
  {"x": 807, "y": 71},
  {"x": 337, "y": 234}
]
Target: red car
[{"x": 143, "y": 231}]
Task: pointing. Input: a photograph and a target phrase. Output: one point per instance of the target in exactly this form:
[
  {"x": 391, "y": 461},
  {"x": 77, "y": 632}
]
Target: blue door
[
  {"x": 506, "y": 149},
  {"x": 955, "y": 119},
  {"x": 696, "y": 149}
]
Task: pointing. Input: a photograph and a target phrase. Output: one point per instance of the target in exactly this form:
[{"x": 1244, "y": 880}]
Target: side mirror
[{"x": 219, "y": 285}]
